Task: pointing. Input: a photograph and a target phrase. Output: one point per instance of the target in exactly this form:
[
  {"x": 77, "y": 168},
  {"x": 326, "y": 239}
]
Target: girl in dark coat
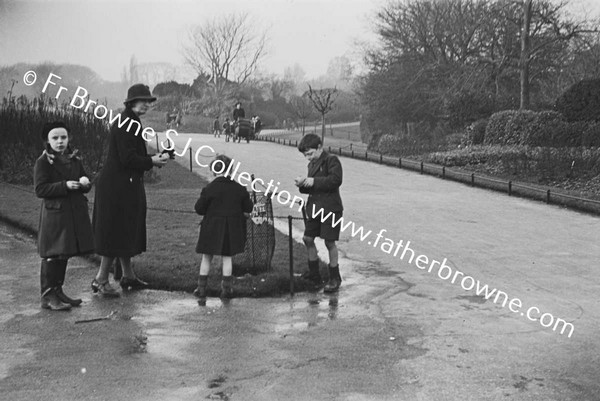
[
  {"x": 64, "y": 228},
  {"x": 225, "y": 205},
  {"x": 119, "y": 217}
]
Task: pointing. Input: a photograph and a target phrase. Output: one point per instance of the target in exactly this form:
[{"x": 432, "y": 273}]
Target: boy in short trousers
[{"x": 322, "y": 186}]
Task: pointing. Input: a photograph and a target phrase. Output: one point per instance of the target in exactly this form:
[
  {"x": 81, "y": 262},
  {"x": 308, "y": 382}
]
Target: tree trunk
[
  {"x": 524, "y": 60},
  {"x": 323, "y": 129}
]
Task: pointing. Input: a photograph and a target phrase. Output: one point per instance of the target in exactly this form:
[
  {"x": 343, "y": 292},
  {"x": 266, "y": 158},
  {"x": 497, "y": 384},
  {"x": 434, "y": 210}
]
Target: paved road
[
  {"x": 393, "y": 333},
  {"x": 544, "y": 255}
]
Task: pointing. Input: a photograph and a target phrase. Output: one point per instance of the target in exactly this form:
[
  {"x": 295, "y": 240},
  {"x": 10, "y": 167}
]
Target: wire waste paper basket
[{"x": 260, "y": 242}]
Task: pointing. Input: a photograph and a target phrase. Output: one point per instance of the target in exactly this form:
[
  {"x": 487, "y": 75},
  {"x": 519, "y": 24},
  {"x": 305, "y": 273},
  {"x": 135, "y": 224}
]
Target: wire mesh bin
[{"x": 260, "y": 238}]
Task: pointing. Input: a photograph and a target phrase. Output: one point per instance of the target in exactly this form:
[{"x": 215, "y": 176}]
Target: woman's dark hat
[
  {"x": 50, "y": 126},
  {"x": 139, "y": 92}
]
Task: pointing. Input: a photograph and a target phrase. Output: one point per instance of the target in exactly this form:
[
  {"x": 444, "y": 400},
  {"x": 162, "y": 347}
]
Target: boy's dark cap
[
  {"x": 50, "y": 126},
  {"x": 139, "y": 92}
]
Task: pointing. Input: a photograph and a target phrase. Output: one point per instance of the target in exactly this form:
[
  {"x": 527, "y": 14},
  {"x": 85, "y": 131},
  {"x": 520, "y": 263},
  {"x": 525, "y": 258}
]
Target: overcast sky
[{"x": 104, "y": 34}]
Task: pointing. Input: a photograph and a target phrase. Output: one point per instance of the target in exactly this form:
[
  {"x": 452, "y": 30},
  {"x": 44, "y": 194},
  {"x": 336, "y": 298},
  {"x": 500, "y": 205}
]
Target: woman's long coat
[
  {"x": 223, "y": 203},
  {"x": 119, "y": 217},
  {"x": 64, "y": 229}
]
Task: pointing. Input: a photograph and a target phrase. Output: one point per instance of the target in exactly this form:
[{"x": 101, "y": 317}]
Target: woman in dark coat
[
  {"x": 119, "y": 217},
  {"x": 64, "y": 228},
  {"x": 225, "y": 205}
]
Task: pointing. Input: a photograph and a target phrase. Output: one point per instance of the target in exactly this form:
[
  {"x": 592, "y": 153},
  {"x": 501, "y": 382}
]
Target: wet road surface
[{"x": 393, "y": 332}]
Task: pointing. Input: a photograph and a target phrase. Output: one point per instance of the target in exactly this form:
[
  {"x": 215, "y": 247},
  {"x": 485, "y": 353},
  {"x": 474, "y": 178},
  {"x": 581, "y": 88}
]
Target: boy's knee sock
[
  {"x": 334, "y": 272},
  {"x": 313, "y": 266}
]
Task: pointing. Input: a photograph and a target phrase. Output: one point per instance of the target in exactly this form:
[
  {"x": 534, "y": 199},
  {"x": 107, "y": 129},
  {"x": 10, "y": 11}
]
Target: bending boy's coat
[{"x": 223, "y": 203}]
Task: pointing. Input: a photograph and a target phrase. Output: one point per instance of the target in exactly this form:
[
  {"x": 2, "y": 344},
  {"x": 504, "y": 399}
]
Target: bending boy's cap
[
  {"x": 309, "y": 141},
  {"x": 53, "y": 125}
]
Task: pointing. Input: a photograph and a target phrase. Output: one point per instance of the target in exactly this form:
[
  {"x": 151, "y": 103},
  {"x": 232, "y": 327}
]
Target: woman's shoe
[
  {"x": 104, "y": 289},
  {"x": 67, "y": 299},
  {"x": 133, "y": 283}
]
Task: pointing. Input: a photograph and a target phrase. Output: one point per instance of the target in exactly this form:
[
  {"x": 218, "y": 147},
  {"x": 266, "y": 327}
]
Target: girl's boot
[
  {"x": 48, "y": 282},
  {"x": 61, "y": 270}
]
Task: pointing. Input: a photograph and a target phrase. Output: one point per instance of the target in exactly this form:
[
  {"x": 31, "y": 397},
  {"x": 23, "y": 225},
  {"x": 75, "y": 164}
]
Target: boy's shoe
[
  {"x": 313, "y": 274},
  {"x": 335, "y": 280}
]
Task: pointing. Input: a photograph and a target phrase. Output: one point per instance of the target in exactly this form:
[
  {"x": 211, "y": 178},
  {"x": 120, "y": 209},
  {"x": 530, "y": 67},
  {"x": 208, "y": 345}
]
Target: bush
[
  {"x": 475, "y": 134},
  {"x": 22, "y": 124},
  {"x": 468, "y": 107},
  {"x": 591, "y": 135},
  {"x": 580, "y": 102},
  {"x": 496, "y": 127},
  {"x": 545, "y": 128}
]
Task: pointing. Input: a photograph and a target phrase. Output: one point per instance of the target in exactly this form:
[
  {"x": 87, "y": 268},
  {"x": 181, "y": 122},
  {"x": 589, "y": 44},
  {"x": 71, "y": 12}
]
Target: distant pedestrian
[
  {"x": 65, "y": 229},
  {"x": 217, "y": 127},
  {"x": 225, "y": 205},
  {"x": 238, "y": 112},
  {"x": 322, "y": 186},
  {"x": 227, "y": 129}
]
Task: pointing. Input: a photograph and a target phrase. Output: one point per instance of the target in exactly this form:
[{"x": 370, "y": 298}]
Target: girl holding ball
[{"x": 65, "y": 229}]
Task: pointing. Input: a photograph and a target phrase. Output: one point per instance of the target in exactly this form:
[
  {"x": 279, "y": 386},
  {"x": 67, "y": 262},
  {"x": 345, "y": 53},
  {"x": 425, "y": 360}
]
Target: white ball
[
  {"x": 83, "y": 370},
  {"x": 84, "y": 181}
]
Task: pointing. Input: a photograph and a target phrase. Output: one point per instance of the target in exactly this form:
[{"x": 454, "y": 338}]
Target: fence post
[
  {"x": 291, "y": 246},
  {"x": 421, "y": 167},
  {"x": 399, "y": 162},
  {"x": 366, "y": 155},
  {"x": 548, "y": 196},
  {"x": 380, "y": 158},
  {"x": 353, "y": 154},
  {"x": 473, "y": 179},
  {"x": 443, "y": 172},
  {"x": 510, "y": 188},
  {"x": 340, "y": 150},
  {"x": 190, "y": 158}
]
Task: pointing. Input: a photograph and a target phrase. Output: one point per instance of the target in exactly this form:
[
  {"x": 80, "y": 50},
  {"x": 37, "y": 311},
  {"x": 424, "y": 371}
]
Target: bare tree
[
  {"x": 302, "y": 109},
  {"x": 322, "y": 100},
  {"x": 544, "y": 28},
  {"x": 228, "y": 49}
]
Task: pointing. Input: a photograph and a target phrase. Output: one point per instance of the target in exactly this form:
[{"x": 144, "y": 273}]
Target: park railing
[{"x": 511, "y": 188}]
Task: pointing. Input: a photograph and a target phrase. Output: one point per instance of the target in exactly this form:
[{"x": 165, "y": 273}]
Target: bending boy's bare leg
[
  {"x": 227, "y": 265},
  {"x": 205, "y": 264}
]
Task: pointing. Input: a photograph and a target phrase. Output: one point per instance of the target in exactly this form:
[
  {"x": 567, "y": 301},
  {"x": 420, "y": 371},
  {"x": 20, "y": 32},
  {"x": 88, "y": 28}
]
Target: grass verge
[{"x": 171, "y": 262}]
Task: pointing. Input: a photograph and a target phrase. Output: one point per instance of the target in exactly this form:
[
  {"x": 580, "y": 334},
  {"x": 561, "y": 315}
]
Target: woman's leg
[
  {"x": 126, "y": 266},
  {"x": 105, "y": 265}
]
